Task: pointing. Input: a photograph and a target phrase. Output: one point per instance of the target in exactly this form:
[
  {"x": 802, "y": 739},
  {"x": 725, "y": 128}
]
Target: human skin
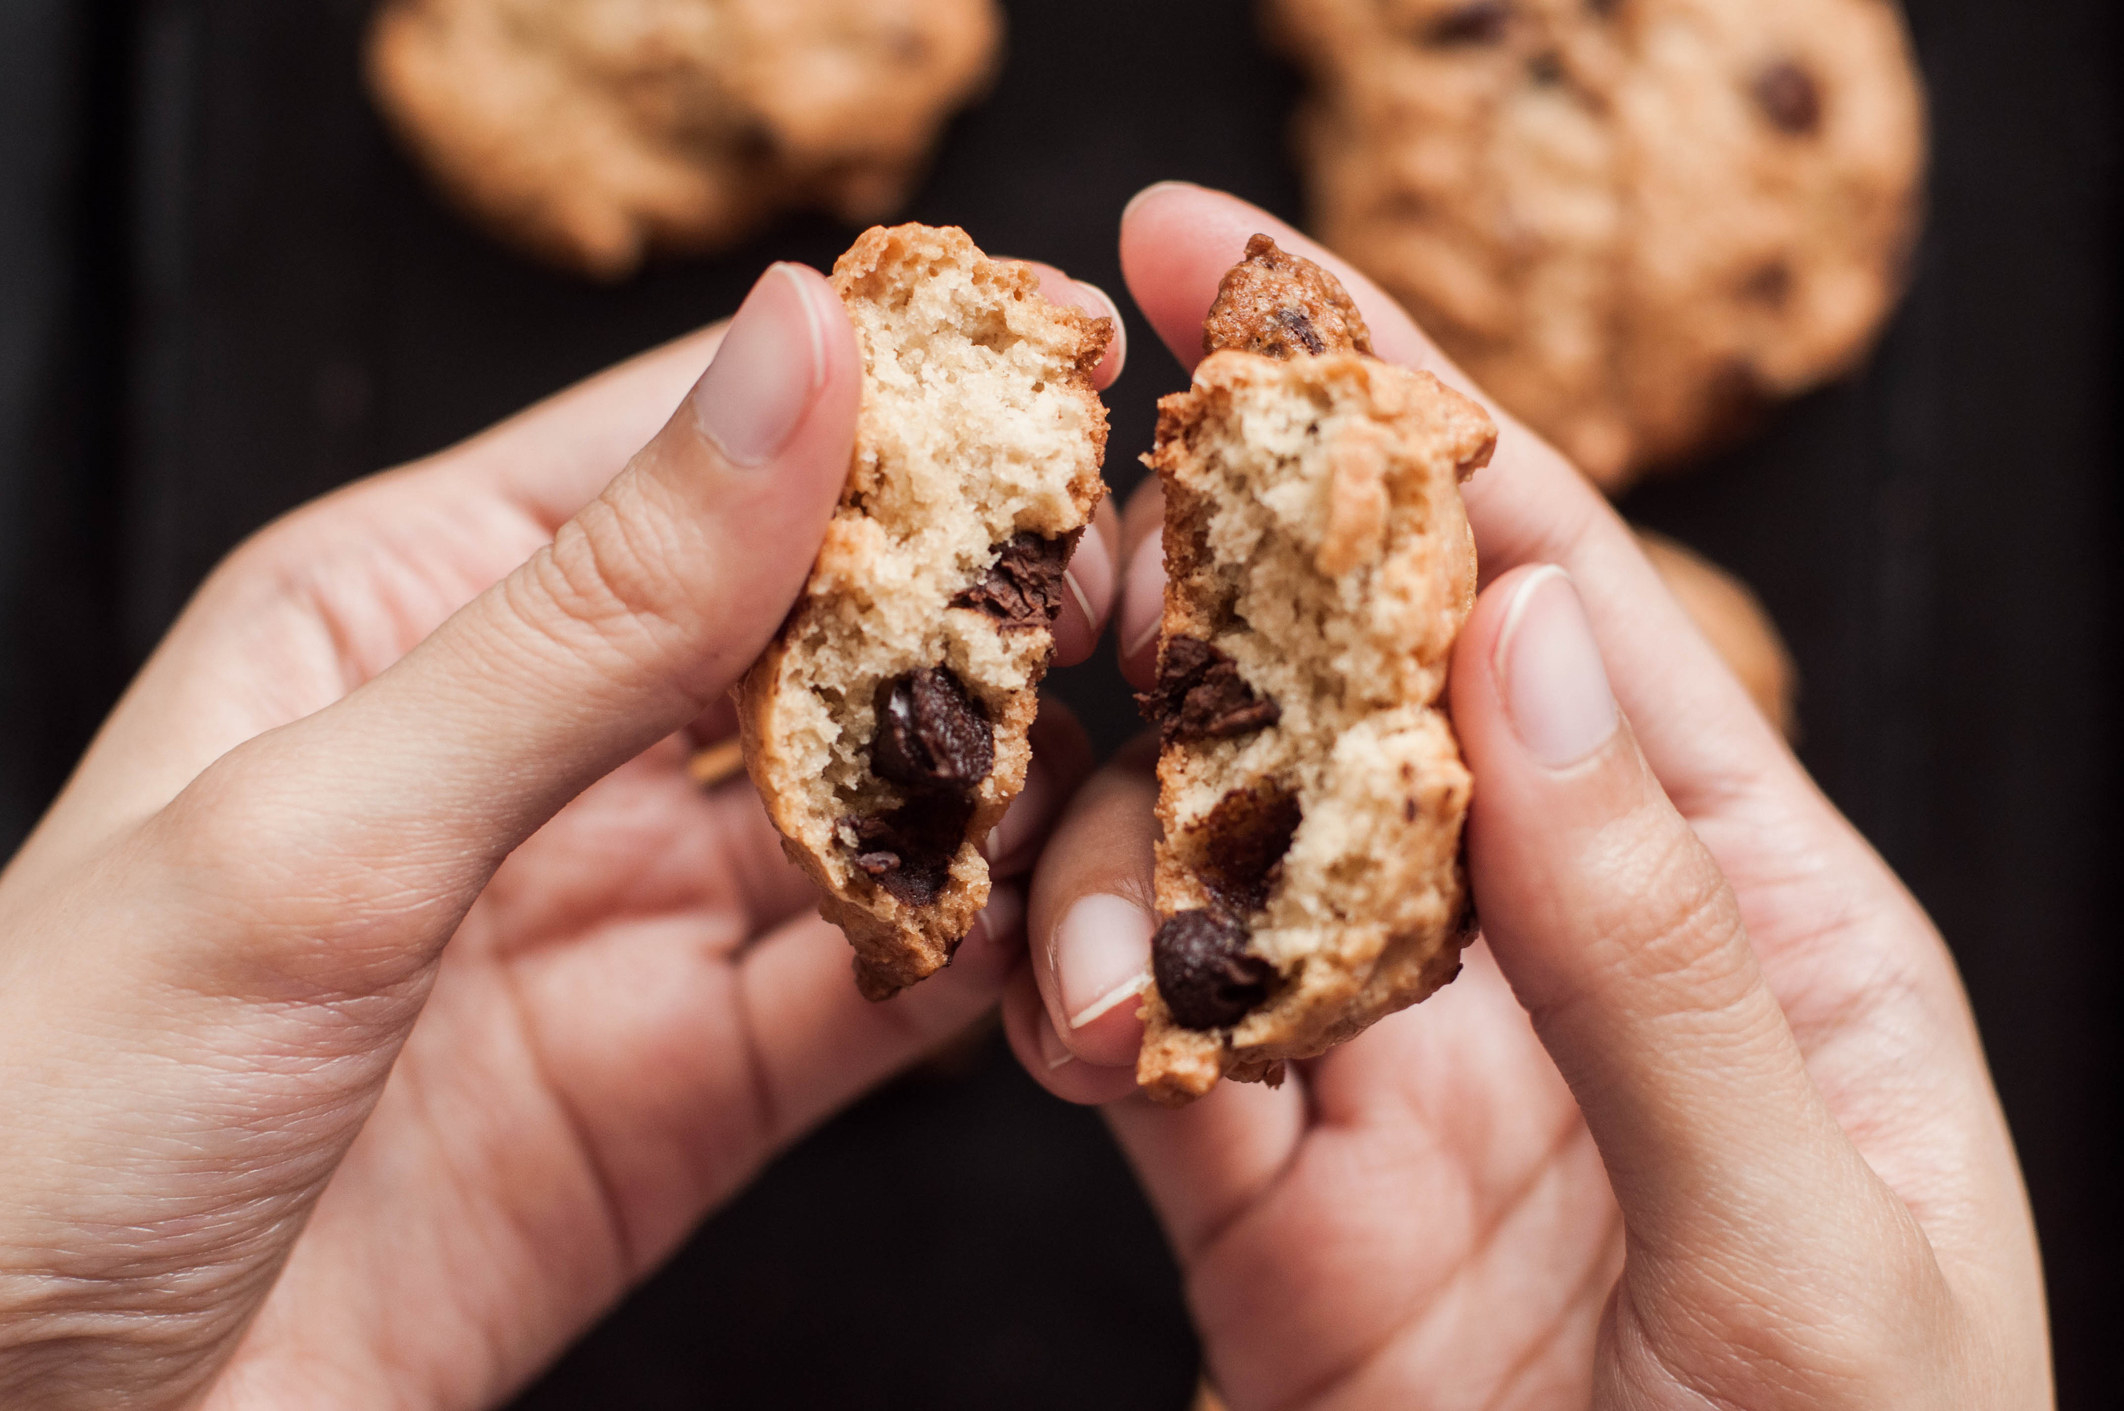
[
  {"x": 382, "y": 998},
  {"x": 1704, "y": 1123}
]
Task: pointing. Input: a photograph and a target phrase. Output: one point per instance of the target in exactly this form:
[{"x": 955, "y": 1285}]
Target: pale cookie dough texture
[
  {"x": 1311, "y": 792},
  {"x": 1636, "y": 223},
  {"x": 593, "y": 132},
  {"x": 885, "y": 727}
]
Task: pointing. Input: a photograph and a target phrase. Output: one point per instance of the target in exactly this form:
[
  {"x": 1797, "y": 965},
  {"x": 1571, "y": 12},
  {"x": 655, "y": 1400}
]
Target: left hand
[{"x": 382, "y": 999}]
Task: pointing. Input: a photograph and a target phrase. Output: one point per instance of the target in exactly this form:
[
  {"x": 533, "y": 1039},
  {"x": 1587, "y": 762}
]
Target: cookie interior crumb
[
  {"x": 1311, "y": 795},
  {"x": 886, "y": 729}
]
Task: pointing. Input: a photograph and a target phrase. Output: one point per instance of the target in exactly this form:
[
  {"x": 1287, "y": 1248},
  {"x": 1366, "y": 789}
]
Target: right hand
[{"x": 1706, "y": 1123}]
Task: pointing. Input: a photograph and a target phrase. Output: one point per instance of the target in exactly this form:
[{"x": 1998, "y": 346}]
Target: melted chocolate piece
[
  {"x": 1203, "y": 972},
  {"x": 931, "y": 734},
  {"x": 1481, "y": 22},
  {"x": 1241, "y": 844},
  {"x": 1200, "y": 695},
  {"x": 1294, "y": 322},
  {"x": 1790, "y": 98},
  {"x": 1024, "y": 588},
  {"x": 909, "y": 851}
]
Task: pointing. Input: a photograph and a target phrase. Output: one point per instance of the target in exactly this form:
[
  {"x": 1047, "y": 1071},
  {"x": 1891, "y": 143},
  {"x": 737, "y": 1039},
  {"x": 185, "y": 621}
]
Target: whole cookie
[
  {"x": 592, "y": 132},
  {"x": 1635, "y": 223}
]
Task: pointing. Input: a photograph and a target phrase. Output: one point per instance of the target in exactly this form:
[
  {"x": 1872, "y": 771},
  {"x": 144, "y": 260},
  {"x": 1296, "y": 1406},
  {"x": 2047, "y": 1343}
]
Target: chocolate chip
[
  {"x": 1238, "y": 847},
  {"x": 1770, "y": 283},
  {"x": 1203, "y": 972},
  {"x": 1790, "y": 98},
  {"x": 1200, "y": 695},
  {"x": 1546, "y": 69},
  {"x": 1295, "y": 323},
  {"x": 931, "y": 733},
  {"x": 1481, "y": 22},
  {"x": 909, "y": 851},
  {"x": 1024, "y": 587}
]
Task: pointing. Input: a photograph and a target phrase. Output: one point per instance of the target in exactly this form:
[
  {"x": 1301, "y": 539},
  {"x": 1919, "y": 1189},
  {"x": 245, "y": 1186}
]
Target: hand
[
  {"x": 1706, "y": 1123},
  {"x": 419, "y": 753}
]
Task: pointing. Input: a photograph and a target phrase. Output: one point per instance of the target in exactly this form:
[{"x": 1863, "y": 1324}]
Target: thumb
[
  {"x": 1622, "y": 939},
  {"x": 645, "y": 608}
]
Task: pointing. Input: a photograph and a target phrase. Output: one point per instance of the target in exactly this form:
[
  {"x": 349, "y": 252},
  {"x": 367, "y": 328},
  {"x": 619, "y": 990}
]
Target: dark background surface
[{"x": 222, "y": 291}]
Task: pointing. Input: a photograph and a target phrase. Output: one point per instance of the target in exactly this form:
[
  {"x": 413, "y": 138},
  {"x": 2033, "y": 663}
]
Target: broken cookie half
[
  {"x": 1311, "y": 791},
  {"x": 885, "y": 728}
]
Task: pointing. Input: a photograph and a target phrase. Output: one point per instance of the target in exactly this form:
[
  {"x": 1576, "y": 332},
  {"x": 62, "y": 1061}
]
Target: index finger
[{"x": 1530, "y": 505}]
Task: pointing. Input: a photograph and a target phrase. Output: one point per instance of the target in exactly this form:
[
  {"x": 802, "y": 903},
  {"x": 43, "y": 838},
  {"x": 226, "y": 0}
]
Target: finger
[
  {"x": 1697, "y": 726},
  {"x": 1178, "y": 241},
  {"x": 1142, "y": 606},
  {"x": 643, "y": 610},
  {"x": 1062, "y": 760},
  {"x": 1076, "y": 294},
  {"x": 1089, "y": 585},
  {"x": 819, "y": 1043},
  {"x": 1043, "y": 1055},
  {"x": 1091, "y": 918},
  {"x": 1205, "y": 1165},
  {"x": 1623, "y": 940}
]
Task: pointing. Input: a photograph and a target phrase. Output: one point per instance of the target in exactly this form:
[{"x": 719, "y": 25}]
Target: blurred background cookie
[
  {"x": 1634, "y": 222},
  {"x": 1727, "y": 611},
  {"x": 592, "y": 132}
]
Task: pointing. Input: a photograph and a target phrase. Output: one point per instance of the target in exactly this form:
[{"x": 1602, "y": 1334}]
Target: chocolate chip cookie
[
  {"x": 592, "y": 132},
  {"x": 1311, "y": 792},
  {"x": 885, "y": 728},
  {"x": 1636, "y": 223}
]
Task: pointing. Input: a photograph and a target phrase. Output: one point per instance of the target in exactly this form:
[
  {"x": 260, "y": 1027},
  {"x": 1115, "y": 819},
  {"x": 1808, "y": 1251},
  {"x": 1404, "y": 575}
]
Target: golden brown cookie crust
[
  {"x": 593, "y": 132},
  {"x": 1635, "y": 224},
  {"x": 1280, "y": 305},
  {"x": 931, "y": 606}
]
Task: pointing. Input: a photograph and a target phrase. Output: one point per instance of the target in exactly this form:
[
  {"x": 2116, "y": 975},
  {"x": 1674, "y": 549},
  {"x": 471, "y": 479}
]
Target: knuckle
[{"x": 608, "y": 580}]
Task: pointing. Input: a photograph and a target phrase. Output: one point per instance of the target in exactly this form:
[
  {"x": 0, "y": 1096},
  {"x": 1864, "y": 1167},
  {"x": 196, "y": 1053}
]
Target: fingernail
[
  {"x": 1092, "y": 565},
  {"x": 1053, "y": 1052},
  {"x": 1003, "y": 915},
  {"x": 1555, "y": 685},
  {"x": 1102, "y": 953},
  {"x": 1116, "y": 359},
  {"x": 769, "y": 369},
  {"x": 1143, "y": 598},
  {"x": 1022, "y": 821},
  {"x": 1153, "y": 190}
]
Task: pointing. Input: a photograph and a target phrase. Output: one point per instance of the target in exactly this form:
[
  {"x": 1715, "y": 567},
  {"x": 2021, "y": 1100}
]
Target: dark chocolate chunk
[
  {"x": 931, "y": 733},
  {"x": 1238, "y": 847},
  {"x": 1294, "y": 322},
  {"x": 1203, "y": 972},
  {"x": 1790, "y": 98},
  {"x": 909, "y": 851},
  {"x": 1770, "y": 284},
  {"x": 1024, "y": 588},
  {"x": 1200, "y": 695},
  {"x": 1479, "y": 22}
]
